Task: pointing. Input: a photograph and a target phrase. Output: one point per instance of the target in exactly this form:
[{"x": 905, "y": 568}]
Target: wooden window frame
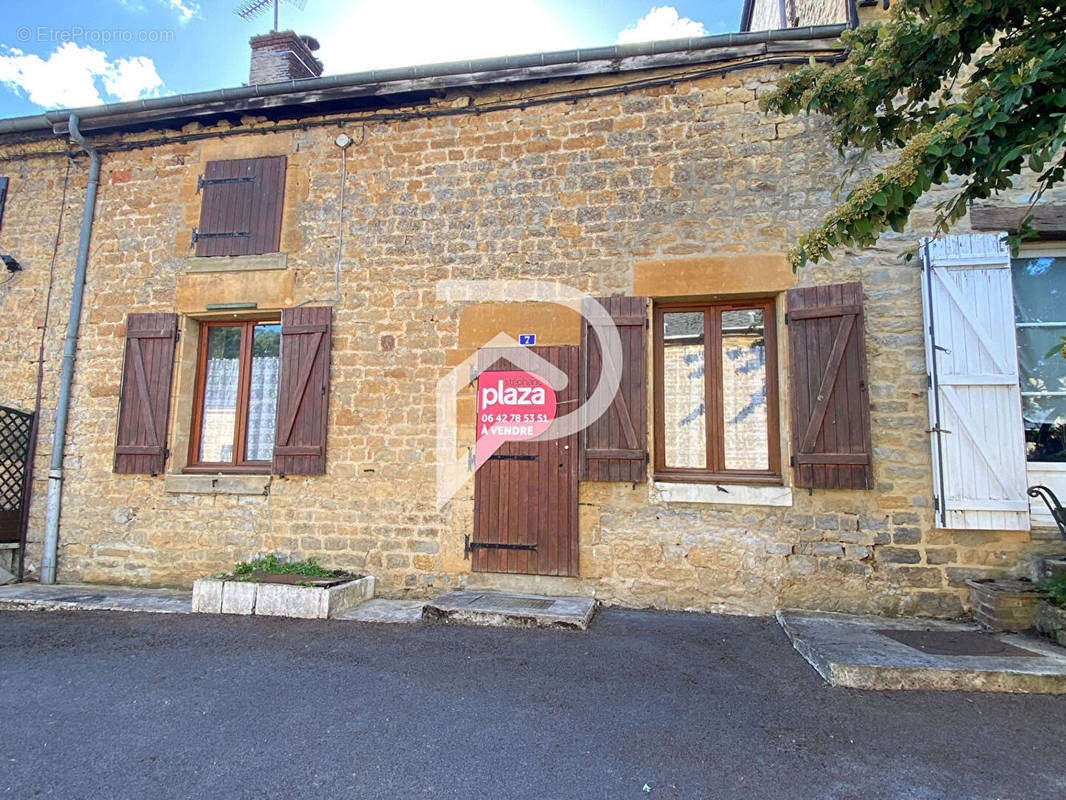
[
  {"x": 715, "y": 471},
  {"x": 1051, "y": 249},
  {"x": 238, "y": 464}
]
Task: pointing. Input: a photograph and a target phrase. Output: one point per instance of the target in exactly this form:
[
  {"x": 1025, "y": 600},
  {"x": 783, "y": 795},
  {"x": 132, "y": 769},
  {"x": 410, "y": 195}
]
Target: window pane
[
  {"x": 684, "y": 413},
  {"x": 220, "y": 393},
  {"x": 1040, "y": 310},
  {"x": 744, "y": 390},
  {"x": 263, "y": 393}
]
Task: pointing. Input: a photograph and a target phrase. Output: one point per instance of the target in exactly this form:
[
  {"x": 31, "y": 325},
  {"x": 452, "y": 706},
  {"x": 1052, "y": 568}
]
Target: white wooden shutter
[{"x": 974, "y": 399}]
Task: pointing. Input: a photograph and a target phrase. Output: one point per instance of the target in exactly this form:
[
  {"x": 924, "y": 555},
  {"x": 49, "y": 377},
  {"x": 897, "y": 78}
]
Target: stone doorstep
[
  {"x": 535, "y": 585},
  {"x": 219, "y": 596},
  {"x": 848, "y": 650},
  {"x": 511, "y": 609}
]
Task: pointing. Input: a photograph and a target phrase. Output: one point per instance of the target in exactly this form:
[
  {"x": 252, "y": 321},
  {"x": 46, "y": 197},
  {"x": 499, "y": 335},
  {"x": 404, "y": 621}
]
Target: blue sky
[{"x": 64, "y": 54}]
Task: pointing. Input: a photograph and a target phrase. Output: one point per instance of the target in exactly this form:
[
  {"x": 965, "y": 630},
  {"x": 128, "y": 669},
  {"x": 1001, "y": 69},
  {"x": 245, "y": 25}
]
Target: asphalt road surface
[{"x": 643, "y": 705}]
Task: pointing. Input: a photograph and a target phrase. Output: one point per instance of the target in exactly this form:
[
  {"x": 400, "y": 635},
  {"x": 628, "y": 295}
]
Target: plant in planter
[
  {"x": 271, "y": 569},
  {"x": 1051, "y": 615},
  {"x": 273, "y": 586}
]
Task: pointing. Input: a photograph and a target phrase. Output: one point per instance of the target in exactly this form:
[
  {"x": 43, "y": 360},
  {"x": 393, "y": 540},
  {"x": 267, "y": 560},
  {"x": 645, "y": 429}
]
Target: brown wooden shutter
[
  {"x": 3, "y": 198},
  {"x": 241, "y": 209},
  {"x": 830, "y": 400},
  {"x": 303, "y": 391},
  {"x": 615, "y": 446},
  {"x": 144, "y": 398}
]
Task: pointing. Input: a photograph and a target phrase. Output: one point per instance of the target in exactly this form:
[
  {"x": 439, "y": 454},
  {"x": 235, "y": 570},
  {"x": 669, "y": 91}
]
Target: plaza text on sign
[{"x": 511, "y": 406}]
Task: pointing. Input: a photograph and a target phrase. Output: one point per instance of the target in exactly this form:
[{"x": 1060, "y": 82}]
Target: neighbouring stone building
[{"x": 295, "y": 237}]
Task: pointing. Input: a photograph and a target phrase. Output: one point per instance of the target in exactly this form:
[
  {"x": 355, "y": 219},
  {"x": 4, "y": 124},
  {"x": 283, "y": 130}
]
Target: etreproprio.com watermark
[{"x": 81, "y": 35}]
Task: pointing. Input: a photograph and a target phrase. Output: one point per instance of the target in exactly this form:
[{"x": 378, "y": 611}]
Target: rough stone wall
[
  {"x": 802, "y": 13},
  {"x": 574, "y": 191}
]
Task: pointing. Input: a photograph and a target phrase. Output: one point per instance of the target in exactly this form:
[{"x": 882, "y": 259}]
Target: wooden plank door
[{"x": 526, "y": 493}]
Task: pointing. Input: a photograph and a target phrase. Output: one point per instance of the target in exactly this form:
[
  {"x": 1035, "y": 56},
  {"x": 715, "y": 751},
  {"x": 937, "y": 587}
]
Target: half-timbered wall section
[{"x": 653, "y": 185}]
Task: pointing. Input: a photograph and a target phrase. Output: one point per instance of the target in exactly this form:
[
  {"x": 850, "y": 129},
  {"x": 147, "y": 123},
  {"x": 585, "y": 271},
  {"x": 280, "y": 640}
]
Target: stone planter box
[
  {"x": 1051, "y": 621},
  {"x": 1004, "y": 605},
  {"x": 223, "y": 595}
]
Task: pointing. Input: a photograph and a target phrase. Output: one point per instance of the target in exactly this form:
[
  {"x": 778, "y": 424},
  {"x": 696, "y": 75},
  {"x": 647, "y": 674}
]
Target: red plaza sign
[{"x": 511, "y": 407}]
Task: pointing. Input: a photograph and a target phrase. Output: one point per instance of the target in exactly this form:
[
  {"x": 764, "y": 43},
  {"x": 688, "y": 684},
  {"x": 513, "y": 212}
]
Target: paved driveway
[{"x": 116, "y": 705}]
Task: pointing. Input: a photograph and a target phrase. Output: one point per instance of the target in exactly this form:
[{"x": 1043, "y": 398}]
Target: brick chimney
[{"x": 283, "y": 56}]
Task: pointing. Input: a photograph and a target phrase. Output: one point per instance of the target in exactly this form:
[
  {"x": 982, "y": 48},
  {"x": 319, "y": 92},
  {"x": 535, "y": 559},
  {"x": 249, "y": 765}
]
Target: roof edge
[{"x": 483, "y": 72}]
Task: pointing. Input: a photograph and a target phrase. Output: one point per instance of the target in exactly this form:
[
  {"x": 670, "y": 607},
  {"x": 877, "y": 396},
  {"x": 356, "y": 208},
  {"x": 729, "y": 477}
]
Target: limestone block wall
[{"x": 576, "y": 191}]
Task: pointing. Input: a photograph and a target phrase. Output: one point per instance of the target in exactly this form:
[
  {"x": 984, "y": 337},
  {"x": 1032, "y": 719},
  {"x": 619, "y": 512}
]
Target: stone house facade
[{"x": 274, "y": 387}]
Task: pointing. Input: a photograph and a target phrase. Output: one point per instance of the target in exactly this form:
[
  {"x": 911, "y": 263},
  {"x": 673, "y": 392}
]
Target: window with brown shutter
[
  {"x": 240, "y": 213},
  {"x": 716, "y": 406},
  {"x": 144, "y": 397},
  {"x": 614, "y": 446},
  {"x": 303, "y": 391},
  {"x": 829, "y": 394}
]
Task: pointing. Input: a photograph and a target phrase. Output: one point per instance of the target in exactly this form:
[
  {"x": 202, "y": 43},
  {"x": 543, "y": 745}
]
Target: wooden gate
[{"x": 525, "y": 495}]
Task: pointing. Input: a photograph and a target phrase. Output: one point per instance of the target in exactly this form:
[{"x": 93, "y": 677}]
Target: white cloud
[
  {"x": 186, "y": 10},
  {"x": 132, "y": 78},
  {"x": 661, "y": 23},
  {"x": 370, "y": 34},
  {"x": 71, "y": 76}
]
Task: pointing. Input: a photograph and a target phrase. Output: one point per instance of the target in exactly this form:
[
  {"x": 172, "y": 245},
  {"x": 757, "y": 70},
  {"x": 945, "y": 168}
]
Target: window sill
[
  {"x": 723, "y": 494},
  {"x": 217, "y": 483},
  {"x": 725, "y": 479}
]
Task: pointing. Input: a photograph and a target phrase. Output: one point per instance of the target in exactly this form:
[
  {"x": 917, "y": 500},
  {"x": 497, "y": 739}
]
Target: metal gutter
[
  {"x": 70, "y": 345},
  {"x": 479, "y": 72}
]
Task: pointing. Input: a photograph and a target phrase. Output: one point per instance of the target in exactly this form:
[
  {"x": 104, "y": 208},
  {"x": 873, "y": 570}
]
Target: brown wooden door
[{"x": 526, "y": 493}]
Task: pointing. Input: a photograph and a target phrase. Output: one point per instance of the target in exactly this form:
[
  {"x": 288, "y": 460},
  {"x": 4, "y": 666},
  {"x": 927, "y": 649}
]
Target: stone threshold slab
[
  {"x": 511, "y": 609},
  {"x": 385, "y": 611},
  {"x": 93, "y": 597},
  {"x": 858, "y": 652}
]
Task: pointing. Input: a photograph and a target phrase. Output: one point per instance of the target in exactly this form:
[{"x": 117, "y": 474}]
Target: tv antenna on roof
[{"x": 253, "y": 8}]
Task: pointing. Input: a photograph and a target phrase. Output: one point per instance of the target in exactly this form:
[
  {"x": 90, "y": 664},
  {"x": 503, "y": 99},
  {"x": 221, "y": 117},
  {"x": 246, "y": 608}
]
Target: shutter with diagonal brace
[
  {"x": 829, "y": 395},
  {"x": 615, "y": 446},
  {"x": 144, "y": 397},
  {"x": 977, "y": 436},
  {"x": 241, "y": 209},
  {"x": 303, "y": 391}
]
